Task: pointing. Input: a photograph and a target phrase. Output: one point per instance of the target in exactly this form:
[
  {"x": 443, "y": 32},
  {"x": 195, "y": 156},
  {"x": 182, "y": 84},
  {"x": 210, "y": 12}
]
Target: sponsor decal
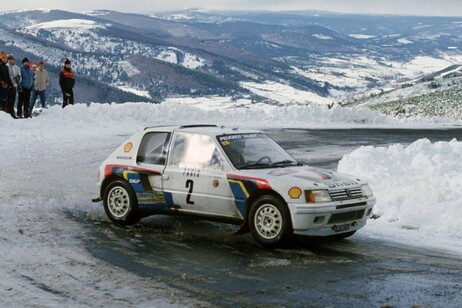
[
  {"x": 149, "y": 197},
  {"x": 134, "y": 181},
  {"x": 343, "y": 184},
  {"x": 128, "y": 147},
  {"x": 225, "y": 138},
  {"x": 192, "y": 172},
  {"x": 282, "y": 172},
  {"x": 124, "y": 157},
  {"x": 295, "y": 192}
]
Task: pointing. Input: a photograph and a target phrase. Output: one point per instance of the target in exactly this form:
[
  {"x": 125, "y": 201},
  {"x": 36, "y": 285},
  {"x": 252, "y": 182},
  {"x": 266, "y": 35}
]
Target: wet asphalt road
[{"x": 207, "y": 261}]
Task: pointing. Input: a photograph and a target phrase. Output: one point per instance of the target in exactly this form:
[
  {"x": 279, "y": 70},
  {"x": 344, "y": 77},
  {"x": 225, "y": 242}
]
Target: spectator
[
  {"x": 15, "y": 76},
  {"x": 5, "y": 81},
  {"x": 41, "y": 83},
  {"x": 67, "y": 82},
  {"x": 25, "y": 89}
]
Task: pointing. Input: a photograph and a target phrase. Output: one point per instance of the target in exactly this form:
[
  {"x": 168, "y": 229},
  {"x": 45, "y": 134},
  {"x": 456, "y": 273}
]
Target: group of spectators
[{"x": 29, "y": 82}]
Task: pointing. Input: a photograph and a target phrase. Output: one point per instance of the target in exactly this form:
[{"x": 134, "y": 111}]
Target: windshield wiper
[
  {"x": 284, "y": 163},
  {"x": 255, "y": 166}
]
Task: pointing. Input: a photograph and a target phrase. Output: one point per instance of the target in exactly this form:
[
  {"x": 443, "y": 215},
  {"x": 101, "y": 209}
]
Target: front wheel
[
  {"x": 269, "y": 221},
  {"x": 120, "y": 203}
]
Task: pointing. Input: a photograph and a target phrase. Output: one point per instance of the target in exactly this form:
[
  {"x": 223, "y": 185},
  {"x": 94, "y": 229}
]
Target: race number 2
[{"x": 189, "y": 184}]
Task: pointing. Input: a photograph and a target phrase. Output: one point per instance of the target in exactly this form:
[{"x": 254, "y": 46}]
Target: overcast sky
[{"x": 406, "y": 7}]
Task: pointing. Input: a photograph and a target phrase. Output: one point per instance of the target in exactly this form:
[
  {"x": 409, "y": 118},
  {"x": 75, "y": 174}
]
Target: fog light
[{"x": 318, "y": 219}]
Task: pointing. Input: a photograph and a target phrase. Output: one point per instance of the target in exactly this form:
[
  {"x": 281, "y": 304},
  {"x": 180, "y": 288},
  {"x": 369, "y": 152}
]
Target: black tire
[
  {"x": 120, "y": 203},
  {"x": 269, "y": 221},
  {"x": 341, "y": 236}
]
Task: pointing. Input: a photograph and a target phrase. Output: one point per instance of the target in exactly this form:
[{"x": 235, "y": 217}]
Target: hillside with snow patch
[{"x": 275, "y": 58}]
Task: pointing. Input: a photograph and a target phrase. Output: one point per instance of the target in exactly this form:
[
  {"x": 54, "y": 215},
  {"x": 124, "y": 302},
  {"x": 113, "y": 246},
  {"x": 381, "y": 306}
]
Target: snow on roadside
[
  {"x": 418, "y": 190},
  {"x": 241, "y": 113}
]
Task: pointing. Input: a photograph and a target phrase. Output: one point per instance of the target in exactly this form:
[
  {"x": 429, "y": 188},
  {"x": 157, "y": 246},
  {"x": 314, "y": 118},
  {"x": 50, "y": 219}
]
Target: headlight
[
  {"x": 366, "y": 190},
  {"x": 315, "y": 196}
]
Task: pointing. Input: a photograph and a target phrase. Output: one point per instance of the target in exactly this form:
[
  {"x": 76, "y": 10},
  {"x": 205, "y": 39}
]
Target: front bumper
[{"x": 330, "y": 218}]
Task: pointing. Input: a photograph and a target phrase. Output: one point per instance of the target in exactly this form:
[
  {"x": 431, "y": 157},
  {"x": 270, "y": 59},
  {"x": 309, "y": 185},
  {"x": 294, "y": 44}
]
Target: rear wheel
[
  {"x": 120, "y": 203},
  {"x": 269, "y": 221}
]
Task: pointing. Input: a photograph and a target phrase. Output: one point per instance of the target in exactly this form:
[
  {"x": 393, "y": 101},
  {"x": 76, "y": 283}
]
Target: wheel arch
[
  {"x": 259, "y": 193},
  {"x": 108, "y": 180}
]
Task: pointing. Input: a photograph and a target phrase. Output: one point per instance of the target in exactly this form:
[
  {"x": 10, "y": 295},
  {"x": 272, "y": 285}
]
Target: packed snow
[
  {"x": 49, "y": 170},
  {"x": 418, "y": 191}
]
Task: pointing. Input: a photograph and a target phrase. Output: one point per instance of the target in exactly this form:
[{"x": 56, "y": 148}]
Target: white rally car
[{"x": 233, "y": 176}]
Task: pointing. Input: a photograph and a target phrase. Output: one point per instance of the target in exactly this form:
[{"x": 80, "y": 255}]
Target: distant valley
[{"x": 301, "y": 57}]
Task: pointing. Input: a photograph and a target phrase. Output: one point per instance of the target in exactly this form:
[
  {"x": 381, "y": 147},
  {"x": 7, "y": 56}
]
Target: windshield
[{"x": 254, "y": 151}]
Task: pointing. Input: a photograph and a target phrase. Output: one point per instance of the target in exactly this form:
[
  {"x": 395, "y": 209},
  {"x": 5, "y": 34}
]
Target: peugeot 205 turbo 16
[{"x": 229, "y": 175}]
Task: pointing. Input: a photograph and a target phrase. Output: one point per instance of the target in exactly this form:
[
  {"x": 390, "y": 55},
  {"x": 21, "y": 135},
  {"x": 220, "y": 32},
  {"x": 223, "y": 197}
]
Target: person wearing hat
[
  {"x": 67, "y": 82},
  {"x": 25, "y": 88},
  {"x": 5, "y": 81},
  {"x": 41, "y": 83},
  {"x": 15, "y": 76}
]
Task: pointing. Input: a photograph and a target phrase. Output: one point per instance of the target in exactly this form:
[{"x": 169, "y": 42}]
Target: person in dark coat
[
  {"x": 67, "y": 82},
  {"x": 5, "y": 81}
]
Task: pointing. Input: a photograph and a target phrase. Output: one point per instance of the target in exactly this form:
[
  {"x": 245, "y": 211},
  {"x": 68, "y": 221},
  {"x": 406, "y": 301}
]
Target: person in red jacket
[{"x": 67, "y": 82}]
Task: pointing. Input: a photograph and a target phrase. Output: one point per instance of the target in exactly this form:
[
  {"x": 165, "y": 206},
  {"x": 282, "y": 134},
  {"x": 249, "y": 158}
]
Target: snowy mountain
[
  {"x": 434, "y": 95},
  {"x": 278, "y": 58}
]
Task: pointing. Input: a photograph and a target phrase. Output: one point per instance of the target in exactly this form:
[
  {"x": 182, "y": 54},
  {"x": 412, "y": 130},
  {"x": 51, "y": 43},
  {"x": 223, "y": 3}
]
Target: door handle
[{"x": 165, "y": 177}]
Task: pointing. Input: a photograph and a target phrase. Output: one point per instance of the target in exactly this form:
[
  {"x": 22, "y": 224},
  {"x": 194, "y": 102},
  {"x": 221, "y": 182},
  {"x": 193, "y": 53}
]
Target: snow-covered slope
[
  {"x": 304, "y": 58},
  {"x": 434, "y": 95}
]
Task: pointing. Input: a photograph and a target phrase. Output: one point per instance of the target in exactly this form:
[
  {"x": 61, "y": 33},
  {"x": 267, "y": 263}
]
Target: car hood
[{"x": 310, "y": 175}]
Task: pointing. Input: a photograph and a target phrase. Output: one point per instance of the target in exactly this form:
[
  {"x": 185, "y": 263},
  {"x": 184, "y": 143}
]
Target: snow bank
[
  {"x": 224, "y": 112},
  {"x": 418, "y": 188}
]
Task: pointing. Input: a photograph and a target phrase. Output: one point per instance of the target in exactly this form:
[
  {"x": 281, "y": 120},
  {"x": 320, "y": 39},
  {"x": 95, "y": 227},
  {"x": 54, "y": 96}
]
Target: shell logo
[
  {"x": 295, "y": 192},
  {"x": 128, "y": 147}
]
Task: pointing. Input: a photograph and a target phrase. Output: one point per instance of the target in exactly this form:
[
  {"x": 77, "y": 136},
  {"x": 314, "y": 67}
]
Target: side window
[
  {"x": 153, "y": 148},
  {"x": 195, "y": 151}
]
